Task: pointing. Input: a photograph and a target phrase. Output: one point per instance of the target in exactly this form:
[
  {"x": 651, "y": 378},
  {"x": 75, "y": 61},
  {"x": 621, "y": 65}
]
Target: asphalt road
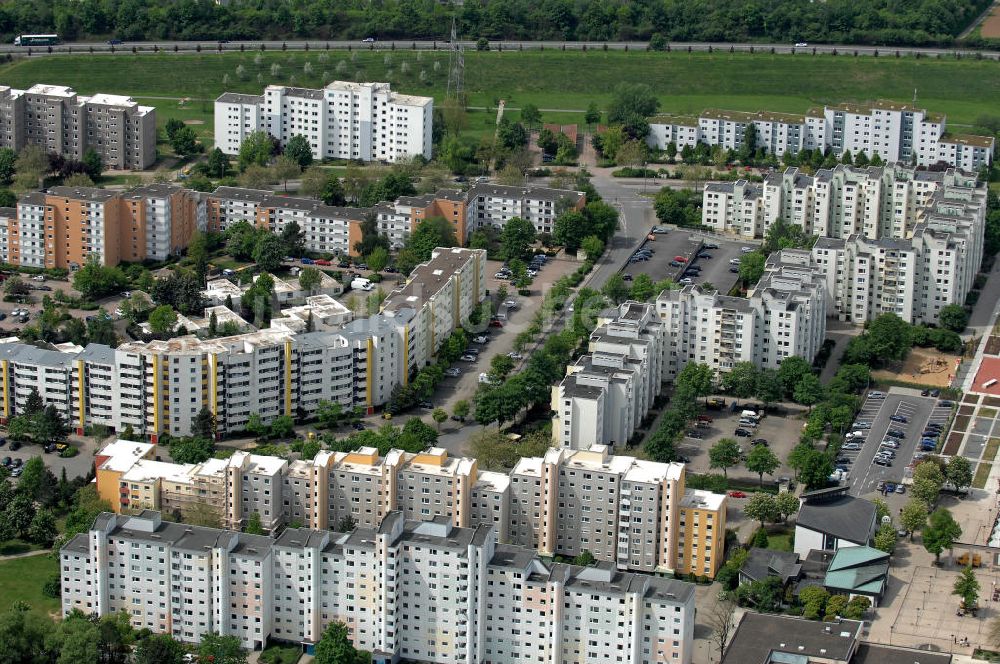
[
  {"x": 918, "y": 410},
  {"x": 317, "y": 45}
]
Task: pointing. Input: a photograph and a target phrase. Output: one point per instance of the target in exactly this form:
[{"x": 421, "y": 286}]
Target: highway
[{"x": 319, "y": 45}]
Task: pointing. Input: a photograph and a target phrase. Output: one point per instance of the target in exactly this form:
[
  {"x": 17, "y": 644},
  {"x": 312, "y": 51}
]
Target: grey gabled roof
[
  {"x": 844, "y": 517},
  {"x": 762, "y": 563}
]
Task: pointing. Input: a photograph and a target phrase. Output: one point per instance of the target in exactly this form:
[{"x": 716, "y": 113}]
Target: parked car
[
  {"x": 850, "y": 447},
  {"x": 454, "y": 372},
  {"x": 7, "y": 462},
  {"x": 743, "y": 433},
  {"x": 484, "y": 378},
  {"x": 946, "y": 404},
  {"x": 515, "y": 356},
  {"x": 659, "y": 230},
  {"x": 900, "y": 488},
  {"x": 693, "y": 433},
  {"x": 481, "y": 339},
  {"x": 680, "y": 259},
  {"x": 705, "y": 418},
  {"x": 862, "y": 425},
  {"x": 746, "y": 250},
  {"x": 323, "y": 262},
  {"x": 685, "y": 281},
  {"x": 899, "y": 418},
  {"x": 760, "y": 441},
  {"x": 737, "y": 494},
  {"x": 734, "y": 270},
  {"x": 895, "y": 433},
  {"x": 931, "y": 433},
  {"x": 875, "y": 394},
  {"x": 935, "y": 393},
  {"x": 734, "y": 261},
  {"x": 891, "y": 444},
  {"x": 707, "y": 257},
  {"x": 495, "y": 323},
  {"x": 675, "y": 263},
  {"x": 359, "y": 426},
  {"x": 468, "y": 358},
  {"x": 882, "y": 461},
  {"x": 626, "y": 277},
  {"x": 710, "y": 245},
  {"x": 306, "y": 261},
  {"x": 15, "y": 446}
]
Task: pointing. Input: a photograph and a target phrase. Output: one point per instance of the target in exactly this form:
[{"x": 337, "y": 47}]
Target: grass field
[
  {"x": 23, "y": 579},
  {"x": 560, "y": 80}
]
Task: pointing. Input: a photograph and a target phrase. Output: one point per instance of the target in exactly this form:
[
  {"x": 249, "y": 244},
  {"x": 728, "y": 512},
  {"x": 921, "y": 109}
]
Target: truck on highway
[{"x": 36, "y": 40}]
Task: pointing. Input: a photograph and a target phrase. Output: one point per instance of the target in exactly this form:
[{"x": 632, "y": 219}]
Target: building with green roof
[{"x": 858, "y": 570}]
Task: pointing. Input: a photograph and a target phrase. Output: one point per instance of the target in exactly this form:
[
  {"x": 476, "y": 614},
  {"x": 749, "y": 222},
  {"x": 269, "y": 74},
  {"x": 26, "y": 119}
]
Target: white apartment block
[
  {"x": 563, "y": 503},
  {"x": 344, "y": 120},
  {"x": 608, "y": 392},
  {"x": 784, "y": 315},
  {"x": 925, "y": 257},
  {"x": 495, "y": 204},
  {"x": 416, "y": 591},
  {"x": 891, "y": 130},
  {"x": 733, "y": 207},
  {"x": 57, "y": 119}
]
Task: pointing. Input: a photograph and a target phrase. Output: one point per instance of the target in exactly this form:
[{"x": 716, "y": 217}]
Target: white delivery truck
[{"x": 360, "y": 283}]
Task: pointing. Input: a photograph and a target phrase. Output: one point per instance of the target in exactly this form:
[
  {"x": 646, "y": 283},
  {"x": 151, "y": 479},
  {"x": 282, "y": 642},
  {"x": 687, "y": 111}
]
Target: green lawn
[
  {"x": 22, "y": 579},
  {"x": 567, "y": 81},
  {"x": 781, "y": 541}
]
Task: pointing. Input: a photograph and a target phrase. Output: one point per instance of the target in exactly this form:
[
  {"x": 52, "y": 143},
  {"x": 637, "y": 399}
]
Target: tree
[
  {"x": 885, "y": 538},
  {"x": 516, "y": 237},
  {"x": 643, "y": 288},
  {"x": 769, "y": 387},
  {"x": 959, "y": 472},
  {"x": 511, "y": 135},
  {"x": 335, "y": 647},
  {"x": 927, "y": 481},
  {"x": 378, "y": 259},
  {"x": 752, "y": 267},
  {"x": 285, "y": 168},
  {"x": 808, "y": 391},
  {"x": 631, "y": 154},
  {"x": 593, "y": 114},
  {"x": 321, "y": 183},
  {"x": 741, "y": 380},
  {"x": 185, "y": 142},
  {"x": 816, "y": 468},
  {"x": 967, "y": 587},
  {"x": 791, "y": 371},
  {"x": 461, "y": 409},
  {"x": 256, "y": 149},
  {"x": 346, "y": 524},
  {"x": 198, "y": 253},
  {"x": 8, "y": 159},
  {"x": 889, "y": 337},
  {"x": 220, "y": 649},
  {"x": 294, "y": 239},
  {"x": 283, "y": 426},
  {"x": 813, "y": 600},
  {"x": 530, "y": 115},
  {"x": 953, "y": 317},
  {"x": 268, "y": 252},
  {"x": 856, "y": 607},
  {"x": 941, "y": 532},
  {"x": 440, "y": 416},
  {"x": 761, "y": 507},
  {"x": 254, "y": 525},
  {"x": 762, "y": 460},
  {"x": 787, "y": 504},
  {"x": 748, "y": 147},
  {"x": 204, "y": 425},
  {"x": 310, "y": 278},
  {"x": 217, "y": 164},
  {"x": 913, "y": 516},
  {"x": 500, "y": 367},
  {"x": 299, "y": 151},
  {"x": 722, "y": 621},
  {"x": 93, "y": 165},
  {"x": 159, "y": 649},
  {"x": 42, "y": 529},
  {"x": 724, "y": 454},
  {"x": 615, "y": 289},
  {"x": 431, "y": 233},
  {"x": 94, "y": 280},
  {"x": 162, "y": 319},
  {"x": 835, "y": 606},
  {"x": 631, "y": 99}
]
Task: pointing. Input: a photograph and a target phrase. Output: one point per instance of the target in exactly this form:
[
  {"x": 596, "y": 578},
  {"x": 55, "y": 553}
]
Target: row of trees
[
  {"x": 26, "y": 170},
  {"x": 888, "y": 338},
  {"x": 783, "y": 21}
]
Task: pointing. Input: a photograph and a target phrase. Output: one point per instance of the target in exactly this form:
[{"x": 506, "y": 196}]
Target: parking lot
[
  {"x": 679, "y": 242},
  {"x": 865, "y": 475},
  {"x": 777, "y": 427},
  {"x": 77, "y": 466}
]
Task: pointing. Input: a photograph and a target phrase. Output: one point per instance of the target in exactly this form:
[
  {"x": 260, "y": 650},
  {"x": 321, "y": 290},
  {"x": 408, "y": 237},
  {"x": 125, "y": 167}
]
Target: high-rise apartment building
[
  {"x": 66, "y": 226},
  {"x": 495, "y": 204},
  {"x": 784, "y": 315},
  {"x": 608, "y": 392},
  {"x": 623, "y": 510},
  {"x": 344, "y": 120},
  {"x": 60, "y": 121},
  {"x": 891, "y": 130},
  {"x": 159, "y": 387},
  {"x": 425, "y": 591}
]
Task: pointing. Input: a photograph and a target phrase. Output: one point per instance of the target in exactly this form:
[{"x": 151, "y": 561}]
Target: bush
[
  {"x": 69, "y": 452},
  {"x": 710, "y": 482},
  {"x": 52, "y": 586}
]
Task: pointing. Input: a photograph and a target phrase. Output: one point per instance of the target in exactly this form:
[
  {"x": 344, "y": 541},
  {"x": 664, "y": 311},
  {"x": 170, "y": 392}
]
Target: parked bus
[{"x": 36, "y": 40}]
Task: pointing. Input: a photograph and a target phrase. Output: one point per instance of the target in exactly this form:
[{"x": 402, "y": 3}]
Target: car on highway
[
  {"x": 743, "y": 433},
  {"x": 902, "y": 419}
]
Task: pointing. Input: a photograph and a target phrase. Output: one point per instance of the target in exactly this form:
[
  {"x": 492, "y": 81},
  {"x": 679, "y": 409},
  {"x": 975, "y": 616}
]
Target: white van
[
  {"x": 360, "y": 283},
  {"x": 750, "y": 414}
]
